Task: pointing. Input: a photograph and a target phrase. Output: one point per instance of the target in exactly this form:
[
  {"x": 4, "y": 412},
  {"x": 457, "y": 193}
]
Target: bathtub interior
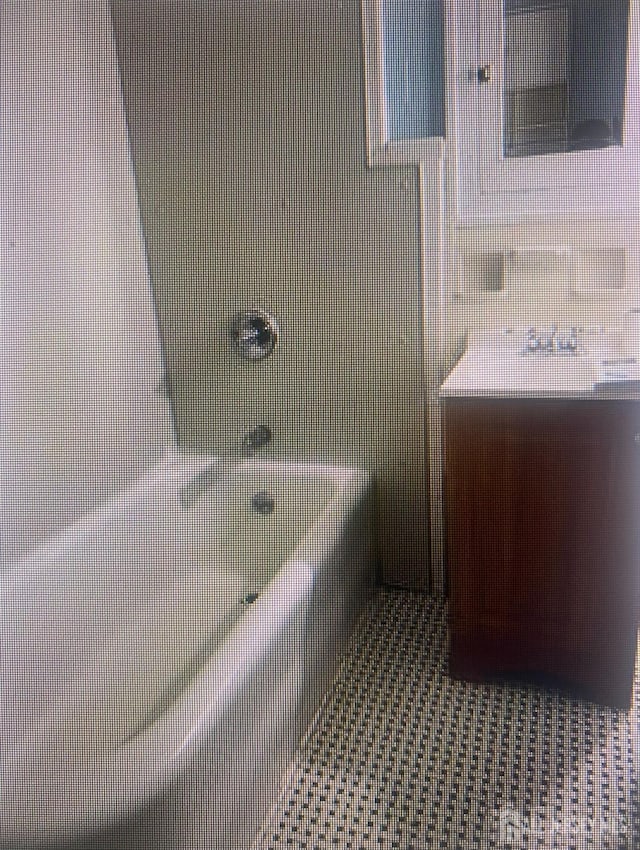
[
  {"x": 136, "y": 608},
  {"x": 111, "y": 627},
  {"x": 250, "y": 540}
]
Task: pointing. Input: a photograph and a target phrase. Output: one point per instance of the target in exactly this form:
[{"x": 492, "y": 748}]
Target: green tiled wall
[{"x": 248, "y": 135}]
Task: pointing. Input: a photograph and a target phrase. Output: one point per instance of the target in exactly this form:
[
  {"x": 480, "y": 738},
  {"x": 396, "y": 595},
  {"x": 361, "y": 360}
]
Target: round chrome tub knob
[{"x": 254, "y": 334}]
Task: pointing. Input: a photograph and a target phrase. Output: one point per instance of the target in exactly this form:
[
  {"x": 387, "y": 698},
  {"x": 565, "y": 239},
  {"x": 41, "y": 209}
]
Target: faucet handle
[
  {"x": 573, "y": 339},
  {"x": 568, "y": 341},
  {"x": 533, "y": 339}
]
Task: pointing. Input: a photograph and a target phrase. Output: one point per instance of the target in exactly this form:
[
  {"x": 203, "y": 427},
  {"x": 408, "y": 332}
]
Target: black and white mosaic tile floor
[{"x": 402, "y": 756}]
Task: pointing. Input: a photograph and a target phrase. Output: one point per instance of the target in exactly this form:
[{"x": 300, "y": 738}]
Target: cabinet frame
[{"x": 485, "y": 186}]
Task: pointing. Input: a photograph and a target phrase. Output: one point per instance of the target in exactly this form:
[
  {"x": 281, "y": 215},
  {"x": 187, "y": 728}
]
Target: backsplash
[{"x": 537, "y": 282}]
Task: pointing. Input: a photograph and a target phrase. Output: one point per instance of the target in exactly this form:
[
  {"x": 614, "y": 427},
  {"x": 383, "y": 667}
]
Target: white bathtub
[{"x": 143, "y": 704}]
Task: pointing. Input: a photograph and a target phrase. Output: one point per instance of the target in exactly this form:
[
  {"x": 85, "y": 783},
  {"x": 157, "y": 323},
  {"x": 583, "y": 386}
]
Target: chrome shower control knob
[{"x": 254, "y": 334}]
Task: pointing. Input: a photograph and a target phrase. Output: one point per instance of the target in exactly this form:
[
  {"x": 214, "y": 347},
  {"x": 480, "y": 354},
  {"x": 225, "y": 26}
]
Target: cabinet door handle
[{"x": 484, "y": 74}]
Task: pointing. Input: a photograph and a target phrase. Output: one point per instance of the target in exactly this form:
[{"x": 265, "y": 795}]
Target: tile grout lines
[{"x": 402, "y": 756}]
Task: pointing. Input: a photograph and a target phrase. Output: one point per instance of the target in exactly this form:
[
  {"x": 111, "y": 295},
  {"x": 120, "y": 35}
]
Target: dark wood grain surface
[{"x": 542, "y": 511}]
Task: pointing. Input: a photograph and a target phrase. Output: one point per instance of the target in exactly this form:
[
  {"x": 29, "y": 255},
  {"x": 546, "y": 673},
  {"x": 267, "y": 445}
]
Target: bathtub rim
[
  {"x": 160, "y": 752},
  {"x": 303, "y": 562},
  {"x": 170, "y": 469}
]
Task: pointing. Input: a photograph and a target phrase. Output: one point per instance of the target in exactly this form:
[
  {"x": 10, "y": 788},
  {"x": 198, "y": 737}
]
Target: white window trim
[{"x": 380, "y": 149}]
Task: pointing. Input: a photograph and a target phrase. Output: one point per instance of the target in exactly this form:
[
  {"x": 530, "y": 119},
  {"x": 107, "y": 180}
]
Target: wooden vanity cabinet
[{"x": 542, "y": 500}]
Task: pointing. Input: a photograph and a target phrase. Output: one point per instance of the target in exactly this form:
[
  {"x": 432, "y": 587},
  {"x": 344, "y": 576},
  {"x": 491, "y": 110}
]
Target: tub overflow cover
[{"x": 263, "y": 502}]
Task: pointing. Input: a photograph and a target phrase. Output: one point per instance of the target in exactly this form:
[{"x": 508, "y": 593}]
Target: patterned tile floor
[{"x": 402, "y": 756}]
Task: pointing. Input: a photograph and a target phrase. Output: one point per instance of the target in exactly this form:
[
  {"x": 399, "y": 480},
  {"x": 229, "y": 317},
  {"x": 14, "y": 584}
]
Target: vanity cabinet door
[{"x": 543, "y": 548}]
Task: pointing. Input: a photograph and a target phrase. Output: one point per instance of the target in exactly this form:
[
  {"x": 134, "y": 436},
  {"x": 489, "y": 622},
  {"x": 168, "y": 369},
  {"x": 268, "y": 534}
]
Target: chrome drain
[{"x": 249, "y": 598}]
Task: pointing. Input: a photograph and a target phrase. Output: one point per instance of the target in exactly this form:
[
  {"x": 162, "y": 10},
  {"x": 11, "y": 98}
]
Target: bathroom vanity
[{"x": 542, "y": 499}]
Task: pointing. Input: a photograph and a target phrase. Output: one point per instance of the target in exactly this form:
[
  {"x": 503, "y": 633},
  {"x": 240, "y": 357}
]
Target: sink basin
[
  {"x": 497, "y": 371},
  {"x": 497, "y": 363}
]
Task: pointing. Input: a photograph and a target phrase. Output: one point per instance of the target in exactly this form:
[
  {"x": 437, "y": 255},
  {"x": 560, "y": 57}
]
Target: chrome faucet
[
  {"x": 551, "y": 342},
  {"x": 252, "y": 441},
  {"x": 570, "y": 342}
]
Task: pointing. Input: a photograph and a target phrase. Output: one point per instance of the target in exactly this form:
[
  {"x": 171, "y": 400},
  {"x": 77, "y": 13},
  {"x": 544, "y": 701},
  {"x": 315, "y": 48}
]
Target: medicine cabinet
[
  {"x": 538, "y": 101},
  {"x": 543, "y": 107}
]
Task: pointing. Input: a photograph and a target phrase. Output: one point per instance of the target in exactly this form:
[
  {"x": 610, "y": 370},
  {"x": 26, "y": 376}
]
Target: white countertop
[{"x": 488, "y": 370}]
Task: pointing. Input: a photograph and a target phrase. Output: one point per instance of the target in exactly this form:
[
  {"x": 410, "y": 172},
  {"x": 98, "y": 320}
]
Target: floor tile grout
[{"x": 403, "y": 756}]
